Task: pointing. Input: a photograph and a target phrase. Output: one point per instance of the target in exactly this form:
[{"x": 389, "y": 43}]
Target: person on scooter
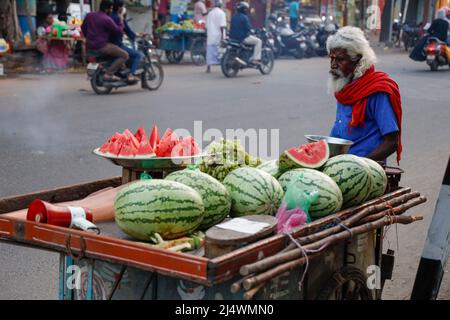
[
  {"x": 440, "y": 26},
  {"x": 369, "y": 108},
  {"x": 240, "y": 30},
  {"x": 135, "y": 55},
  {"x": 98, "y": 28}
]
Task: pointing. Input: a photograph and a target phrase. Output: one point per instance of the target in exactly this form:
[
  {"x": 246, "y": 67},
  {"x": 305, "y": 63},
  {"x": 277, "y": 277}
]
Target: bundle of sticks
[{"x": 309, "y": 241}]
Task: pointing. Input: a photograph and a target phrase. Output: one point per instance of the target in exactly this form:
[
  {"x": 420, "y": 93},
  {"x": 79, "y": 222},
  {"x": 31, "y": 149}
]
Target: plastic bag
[{"x": 293, "y": 211}]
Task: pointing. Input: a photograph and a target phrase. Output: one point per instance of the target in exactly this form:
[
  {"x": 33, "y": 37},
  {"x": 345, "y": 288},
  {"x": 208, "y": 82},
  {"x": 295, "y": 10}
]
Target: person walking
[{"x": 215, "y": 29}]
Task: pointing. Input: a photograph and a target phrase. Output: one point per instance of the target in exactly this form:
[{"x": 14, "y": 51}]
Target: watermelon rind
[
  {"x": 271, "y": 167},
  {"x": 253, "y": 192},
  {"x": 169, "y": 208},
  {"x": 379, "y": 179},
  {"x": 330, "y": 198},
  {"x": 352, "y": 175},
  {"x": 215, "y": 196}
]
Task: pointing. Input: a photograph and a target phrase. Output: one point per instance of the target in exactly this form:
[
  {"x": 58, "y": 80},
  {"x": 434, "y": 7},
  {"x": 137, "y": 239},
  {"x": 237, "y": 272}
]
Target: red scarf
[{"x": 357, "y": 92}]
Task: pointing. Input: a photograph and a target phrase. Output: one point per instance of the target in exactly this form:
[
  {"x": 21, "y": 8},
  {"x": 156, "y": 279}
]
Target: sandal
[
  {"x": 132, "y": 78},
  {"x": 108, "y": 77}
]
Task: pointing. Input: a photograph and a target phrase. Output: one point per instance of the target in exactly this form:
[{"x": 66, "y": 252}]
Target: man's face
[
  {"x": 109, "y": 10},
  {"x": 341, "y": 64}
]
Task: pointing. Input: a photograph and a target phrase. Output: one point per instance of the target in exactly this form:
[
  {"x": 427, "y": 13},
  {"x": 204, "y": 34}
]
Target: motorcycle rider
[
  {"x": 98, "y": 28},
  {"x": 135, "y": 56},
  {"x": 240, "y": 29},
  {"x": 440, "y": 26}
]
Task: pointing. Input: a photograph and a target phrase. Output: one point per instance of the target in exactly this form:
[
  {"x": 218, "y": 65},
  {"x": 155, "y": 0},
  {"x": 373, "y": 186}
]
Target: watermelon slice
[
  {"x": 186, "y": 147},
  {"x": 168, "y": 141},
  {"x": 116, "y": 145},
  {"x": 154, "y": 137},
  {"x": 127, "y": 133},
  {"x": 140, "y": 134},
  {"x": 128, "y": 147},
  {"x": 145, "y": 149},
  {"x": 310, "y": 155}
]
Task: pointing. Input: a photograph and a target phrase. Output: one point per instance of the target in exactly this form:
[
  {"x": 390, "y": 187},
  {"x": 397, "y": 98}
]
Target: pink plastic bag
[{"x": 289, "y": 219}]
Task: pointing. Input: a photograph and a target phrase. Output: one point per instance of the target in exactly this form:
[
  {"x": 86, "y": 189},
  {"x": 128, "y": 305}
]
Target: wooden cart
[
  {"x": 112, "y": 266},
  {"x": 176, "y": 42}
]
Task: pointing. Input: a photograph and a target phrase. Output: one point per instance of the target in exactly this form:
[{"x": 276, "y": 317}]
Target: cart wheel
[
  {"x": 347, "y": 284},
  {"x": 198, "y": 51},
  {"x": 174, "y": 57}
]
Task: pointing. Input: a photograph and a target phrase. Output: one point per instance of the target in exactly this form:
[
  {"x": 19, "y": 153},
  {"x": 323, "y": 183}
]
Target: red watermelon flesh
[
  {"x": 168, "y": 141},
  {"x": 128, "y": 146},
  {"x": 186, "y": 147},
  {"x": 107, "y": 145},
  {"x": 154, "y": 137},
  {"x": 145, "y": 149},
  {"x": 310, "y": 155},
  {"x": 115, "y": 146},
  {"x": 140, "y": 134},
  {"x": 127, "y": 133}
]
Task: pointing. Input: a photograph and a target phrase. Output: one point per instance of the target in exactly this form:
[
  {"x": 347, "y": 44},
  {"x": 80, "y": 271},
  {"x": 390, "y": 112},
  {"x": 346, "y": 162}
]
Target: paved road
[{"x": 49, "y": 124}]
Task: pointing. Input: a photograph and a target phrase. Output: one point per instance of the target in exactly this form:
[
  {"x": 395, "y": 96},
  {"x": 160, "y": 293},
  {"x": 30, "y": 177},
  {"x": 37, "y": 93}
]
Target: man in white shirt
[{"x": 216, "y": 24}]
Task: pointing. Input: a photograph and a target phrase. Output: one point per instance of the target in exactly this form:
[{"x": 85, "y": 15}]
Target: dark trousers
[
  {"x": 294, "y": 23},
  {"x": 114, "y": 51}
]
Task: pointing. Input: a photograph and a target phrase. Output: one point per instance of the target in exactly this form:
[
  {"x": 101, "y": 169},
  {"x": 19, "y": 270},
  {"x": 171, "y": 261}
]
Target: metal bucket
[{"x": 336, "y": 145}]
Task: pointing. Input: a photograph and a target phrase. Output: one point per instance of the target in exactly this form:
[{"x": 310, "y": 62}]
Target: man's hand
[{"x": 386, "y": 148}]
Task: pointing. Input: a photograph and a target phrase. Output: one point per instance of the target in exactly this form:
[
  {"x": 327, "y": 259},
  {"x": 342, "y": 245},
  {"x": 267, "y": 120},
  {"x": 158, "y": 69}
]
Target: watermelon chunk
[
  {"x": 145, "y": 149},
  {"x": 107, "y": 145},
  {"x": 127, "y": 133},
  {"x": 186, "y": 147},
  {"x": 140, "y": 134},
  {"x": 128, "y": 147},
  {"x": 311, "y": 155},
  {"x": 168, "y": 141},
  {"x": 154, "y": 137},
  {"x": 115, "y": 146}
]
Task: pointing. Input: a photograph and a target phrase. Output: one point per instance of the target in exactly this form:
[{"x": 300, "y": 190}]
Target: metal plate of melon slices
[{"x": 150, "y": 162}]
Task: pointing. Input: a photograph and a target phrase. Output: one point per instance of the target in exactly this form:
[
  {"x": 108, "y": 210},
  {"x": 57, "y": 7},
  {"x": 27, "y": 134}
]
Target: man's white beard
[{"x": 336, "y": 84}]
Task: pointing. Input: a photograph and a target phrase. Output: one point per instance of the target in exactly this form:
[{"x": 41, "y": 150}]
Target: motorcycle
[
  {"x": 237, "y": 56},
  {"x": 411, "y": 36},
  {"x": 287, "y": 42},
  {"x": 150, "y": 70},
  {"x": 437, "y": 53}
]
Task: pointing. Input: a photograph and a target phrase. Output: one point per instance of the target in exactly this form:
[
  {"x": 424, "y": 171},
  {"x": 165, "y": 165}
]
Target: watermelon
[
  {"x": 145, "y": 149},
  {"x": 330, "y": 196},
  {"x": 253, "y": 191},
  {"x": 215, "y": 196},
  {"x": 353, "y": 177},
  {"x": 140, "y": 134},
  {"x": 271, "y": 167},
  {"x": 169, "y": 208},
  {"x": 166, "y": 144},
  {"x": 131, "y": 138},
  {"x": 311, "y": 155},
  {"x": 185, "y": 147},
  {"x": 154, "y": 137},
  {"x": 379, "y": 179}
]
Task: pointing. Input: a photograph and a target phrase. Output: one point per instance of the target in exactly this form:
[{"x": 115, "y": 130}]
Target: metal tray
[{"x": 158, "y": 163}]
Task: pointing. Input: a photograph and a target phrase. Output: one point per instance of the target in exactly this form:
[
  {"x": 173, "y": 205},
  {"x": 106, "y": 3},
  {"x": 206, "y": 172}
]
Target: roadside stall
[{"x": 192, "y": 226}]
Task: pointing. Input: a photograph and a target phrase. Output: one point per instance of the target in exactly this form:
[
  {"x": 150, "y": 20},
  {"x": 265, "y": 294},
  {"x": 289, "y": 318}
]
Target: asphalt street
[{"x": 50, "y": 124}]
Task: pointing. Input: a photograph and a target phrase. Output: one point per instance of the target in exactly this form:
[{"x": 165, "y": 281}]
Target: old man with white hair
[{"x": 369, "y": 109}]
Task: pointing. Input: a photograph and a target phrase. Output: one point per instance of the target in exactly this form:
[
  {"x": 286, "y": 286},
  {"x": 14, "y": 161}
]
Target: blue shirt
[
  {"x": 379, "y": 120},
  {"x": 117, "y": 39},
  {"x": 240, "y": 27},
  {"x": 293, "y": 9}
]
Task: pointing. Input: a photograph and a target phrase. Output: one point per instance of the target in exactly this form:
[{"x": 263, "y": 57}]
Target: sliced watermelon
[
  {"x": 168, "y": 141},
  {"x": 145, "y": 149},
  {"x": 128, "y": 147},
  {"x": 140, "y": 134},
  {"x": 154, "y": 137},
  {"x": 186, "y": 147},
  {"x": 115, "y": 146},
  {"x": 310, "y": 155},
  {"x": 127, "y": 133},
  {"x": 106, "y": 146}
]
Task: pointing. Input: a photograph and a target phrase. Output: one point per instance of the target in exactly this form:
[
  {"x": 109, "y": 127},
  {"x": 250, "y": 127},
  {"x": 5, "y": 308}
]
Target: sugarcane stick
[
  {"x": 280, "y": 269},
  {"x": 344, "y": 214},
  {"x": 251, "y": 293},
  {"x": 398, "y": 210},
  {"x": 287, "y": 255},
  {"x": 235, "y": 287}
]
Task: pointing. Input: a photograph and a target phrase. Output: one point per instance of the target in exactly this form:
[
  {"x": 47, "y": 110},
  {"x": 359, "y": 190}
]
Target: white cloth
[
  {"x": 199, "y": 11},
  {"x": 212, "y": 54},
  {"x": 252, "y": 40},
  {"x": 215, "y": 21}
]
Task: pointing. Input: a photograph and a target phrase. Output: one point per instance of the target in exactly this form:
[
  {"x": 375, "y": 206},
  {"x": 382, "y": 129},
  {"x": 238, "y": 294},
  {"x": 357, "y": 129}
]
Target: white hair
[{"x": 353, "y": 40}]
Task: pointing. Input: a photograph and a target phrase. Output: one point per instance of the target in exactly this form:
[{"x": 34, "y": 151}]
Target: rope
[
  {"x": 338, "y": 222},
  {"x": 305, "y": 254}
]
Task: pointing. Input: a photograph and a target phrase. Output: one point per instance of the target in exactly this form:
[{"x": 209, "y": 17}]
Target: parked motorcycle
[
  {"x": 151, "y": 71},
  {"x": 286, "y": 41},
  {"x": 237, "y": 56},
  {"x": 437, "y": 53},
  {"x": 411, "y": 36}
]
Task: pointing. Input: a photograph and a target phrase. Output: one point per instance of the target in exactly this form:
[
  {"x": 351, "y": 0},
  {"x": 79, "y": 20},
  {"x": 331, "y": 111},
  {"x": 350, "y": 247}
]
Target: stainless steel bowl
[{"x": 336, "y": 145}]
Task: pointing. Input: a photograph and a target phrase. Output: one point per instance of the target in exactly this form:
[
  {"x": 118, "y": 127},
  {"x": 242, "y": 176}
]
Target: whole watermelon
[
  {"x": 330, "y": 196},
  {"x": 379, "y": 179},
  {"x": 216, "y": 198},
  {"x": 352, "y": 175},
  {"x": 271, "y": 167},
  {"x": 253, "y": 191},
  {"x": 169, "y": 208}
]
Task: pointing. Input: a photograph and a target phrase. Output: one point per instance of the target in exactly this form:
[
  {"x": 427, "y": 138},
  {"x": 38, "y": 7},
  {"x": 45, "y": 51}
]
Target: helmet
[{"x": 242, "y": 6}]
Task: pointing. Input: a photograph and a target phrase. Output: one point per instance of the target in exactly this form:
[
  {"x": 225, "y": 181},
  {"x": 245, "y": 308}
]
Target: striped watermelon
[
  {"x": 330, "y": 196},
  {"x": 271, "y": 167},
  {"x": 253, "y": 191},
  {"x": 379, "y": 179},
  {"x": 353, "y": 177},
  {"x": 216, "y": 198},
  {"x": 169, "y": 208}
]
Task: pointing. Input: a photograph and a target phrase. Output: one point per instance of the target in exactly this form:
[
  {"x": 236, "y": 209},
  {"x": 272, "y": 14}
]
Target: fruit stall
[
  {"x": 219, "y": 223},
  {"x": 175, "y": 39}
]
